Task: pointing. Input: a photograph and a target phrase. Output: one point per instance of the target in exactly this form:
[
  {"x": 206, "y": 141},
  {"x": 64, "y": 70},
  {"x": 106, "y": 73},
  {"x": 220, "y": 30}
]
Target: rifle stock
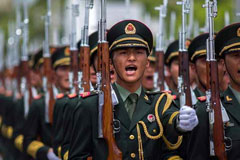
[
  {"x": 85, "y": 52},
  {"x": 26, "y": 74},
  {"x": 48, "y": 75},
  {"x": 113, "y": 151},
  {"x": 184, "y": 70},
  {"x": 218, "y": 134},
  {"x": 160, "y": 69}
]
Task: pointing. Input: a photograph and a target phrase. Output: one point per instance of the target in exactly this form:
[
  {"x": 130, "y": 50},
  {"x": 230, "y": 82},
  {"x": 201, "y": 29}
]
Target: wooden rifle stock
[
  {"x": 48, "y": 75},
  {"x": 218, "y": 130},
  {"x": 184, "y": 71},
  {"x": 113, "y": 152},
  {"x": 74, "y": 68},
  {"x": 85, "y": 51},
  {"x": 26, "y": 74},
  {"x": 160, "y": 69}
]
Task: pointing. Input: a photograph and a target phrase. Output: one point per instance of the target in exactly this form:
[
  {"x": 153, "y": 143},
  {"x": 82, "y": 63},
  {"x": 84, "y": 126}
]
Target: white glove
[
  {"x": 51, "y": 155},
  {"x": 187, "y": 119}
]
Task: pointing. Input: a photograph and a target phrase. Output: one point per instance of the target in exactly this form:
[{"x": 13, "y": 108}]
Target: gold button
[
  {"x": 133, "y": 155},
  {"x": 154, "y": 130},
  {"x": 131, "y": 137}
]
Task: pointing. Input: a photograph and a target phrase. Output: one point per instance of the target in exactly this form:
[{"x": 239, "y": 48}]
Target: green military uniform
[
  {"x": 85, "y": 141},
  {"x": 38, "y": 135},
  {"x": 58, "y": 122},
  {"x": 226, "y": 41},
  {"x": 154, "y": 111},
  {"x": 64, "y": 108}
]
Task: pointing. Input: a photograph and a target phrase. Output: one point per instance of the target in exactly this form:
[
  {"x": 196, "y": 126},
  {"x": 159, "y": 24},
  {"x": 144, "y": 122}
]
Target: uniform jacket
[
  {"x": 198, "y": 148},
  {"x": 85, "y": 142}
]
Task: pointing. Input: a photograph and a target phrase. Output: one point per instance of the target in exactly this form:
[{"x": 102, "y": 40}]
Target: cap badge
[
  {"x": 151, "y": 118},
  {"x": 67, "y": 51},
  {"x": 130, "y": 29},
  {"x": 238, "y": 32}
]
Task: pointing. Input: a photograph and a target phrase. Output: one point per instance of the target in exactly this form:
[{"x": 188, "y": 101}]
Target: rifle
[
  {"x": 47, "y": 77},
  {"x": 85, "y": 50},
  {"x": 73, "y": 74},
  {"x": 217, "y": 146},
  {"x": 106, "y": 116},
  {"x": 159, "y": 46},
  {"x": 26, "y": 79},
  {"x": 183, "y": 79},
  {"x": 172, "y": 26},
  {"x": 2, "y": 83},
  {"x": 16, "y": 82}
]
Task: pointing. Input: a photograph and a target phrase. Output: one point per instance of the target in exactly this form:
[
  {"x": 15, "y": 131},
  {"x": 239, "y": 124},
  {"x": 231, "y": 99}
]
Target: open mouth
[
  {"x": 131, "y": 69},
  {"x": 149, "y": 78}
]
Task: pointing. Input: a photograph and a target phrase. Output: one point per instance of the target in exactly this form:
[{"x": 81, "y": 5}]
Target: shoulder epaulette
[
  {"x": 88, "y": 94},
  {"x": 202, "y": 98},
  {"x": 72, "y": 95},
  {"x": 60, "y": 95},
  {"x": 174, "y": 97},
  {"x": 38, "y": 96},
  {"x": 166, "y": 91}
]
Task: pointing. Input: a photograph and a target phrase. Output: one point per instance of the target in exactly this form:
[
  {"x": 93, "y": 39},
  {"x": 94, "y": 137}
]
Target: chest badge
[{"x": 151, "y": 118}]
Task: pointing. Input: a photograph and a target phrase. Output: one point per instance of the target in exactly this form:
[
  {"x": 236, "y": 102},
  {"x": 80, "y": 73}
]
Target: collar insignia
[
  {"x": 238, "y": 32},
  {"x": 146, "y": 97},
  {"x": 130, "y": 29},
  {"x": 228, "y": 98},
  {"x": 151, "y": 118}
]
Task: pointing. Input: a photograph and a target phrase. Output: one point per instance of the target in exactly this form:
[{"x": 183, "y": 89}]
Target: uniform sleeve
[
  {"x": 198, "y": 148},
  {"x": 171, "y": 138},
  {"x": 81, "y": 137},
  {"x": 31, "y": 144},
  {"x": 58, "y": 124}
]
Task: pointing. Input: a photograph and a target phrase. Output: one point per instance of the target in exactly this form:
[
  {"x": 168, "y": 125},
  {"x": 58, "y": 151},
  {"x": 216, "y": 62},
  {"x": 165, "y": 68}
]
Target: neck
[
  {"x": 131, "y": 87},
  {"x": 234, "y": 85},
  {"x": 201, "y": 88}
]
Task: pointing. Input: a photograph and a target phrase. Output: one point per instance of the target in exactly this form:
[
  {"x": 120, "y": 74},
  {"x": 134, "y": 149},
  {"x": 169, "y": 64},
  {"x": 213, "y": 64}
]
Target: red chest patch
[{"x": 85, "y": 94}]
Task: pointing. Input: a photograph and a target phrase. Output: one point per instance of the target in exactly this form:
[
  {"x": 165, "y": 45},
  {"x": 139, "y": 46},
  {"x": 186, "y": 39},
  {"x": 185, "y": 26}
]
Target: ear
[
  {"x": 148, "y": 63},
  {"x": 222, "y": 62},
  {"x": 168, "y": 70},
  {"x": 192, "y": 66}
]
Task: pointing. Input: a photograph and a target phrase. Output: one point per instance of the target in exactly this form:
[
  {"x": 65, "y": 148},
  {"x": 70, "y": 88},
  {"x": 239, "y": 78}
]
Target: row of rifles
[{"x": 79, "y": 75}]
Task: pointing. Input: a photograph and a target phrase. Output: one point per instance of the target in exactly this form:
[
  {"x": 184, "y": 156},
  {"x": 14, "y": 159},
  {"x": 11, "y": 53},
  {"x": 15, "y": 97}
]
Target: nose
[{"x": 132, "y": 56}]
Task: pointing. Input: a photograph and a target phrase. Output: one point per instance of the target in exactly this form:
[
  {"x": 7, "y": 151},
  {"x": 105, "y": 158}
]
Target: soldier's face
[
  {"x": 62, "y": 79},
  {"x": 93, "y": 77},
  {"x": 201, "y": 68},
  {"x": 148, "y": 76},
  {"x": 36, "y": 79},
  {"x": 232, "y": 63},
  {"x": 174, "y": 67},
  {"x": 112, "y": 70},
  {"x": 129, "y": 64}
]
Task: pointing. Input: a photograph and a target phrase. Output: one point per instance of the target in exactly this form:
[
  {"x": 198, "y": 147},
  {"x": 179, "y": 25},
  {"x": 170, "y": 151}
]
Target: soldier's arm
[
  {"x": 81, "y": 138},
  {"x": 68, "y": 126},
  {"x": 31, "y": 144},
  {"x": 58, "y": 123}
]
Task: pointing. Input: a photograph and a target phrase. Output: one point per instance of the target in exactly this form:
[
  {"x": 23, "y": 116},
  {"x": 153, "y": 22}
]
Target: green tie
[{"x": 131, "y": 104}]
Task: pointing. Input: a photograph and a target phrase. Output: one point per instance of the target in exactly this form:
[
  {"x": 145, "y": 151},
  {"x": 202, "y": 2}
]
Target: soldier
[
  {"x": 38, "y": 132},
  {"x": 172, "y": 63},
  {"x": 148, "y": 77},
  {"x": 74, "y": 99},
  {"x": 228, "y": 49},
  {"x": 197, "y": 55},
  {"x": 130, "y": 43}
]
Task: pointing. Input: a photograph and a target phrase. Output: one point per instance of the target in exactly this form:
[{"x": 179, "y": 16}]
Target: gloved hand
[
  {"x": 187, "y": 119},
  {"x": 51, "y": 155}
]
